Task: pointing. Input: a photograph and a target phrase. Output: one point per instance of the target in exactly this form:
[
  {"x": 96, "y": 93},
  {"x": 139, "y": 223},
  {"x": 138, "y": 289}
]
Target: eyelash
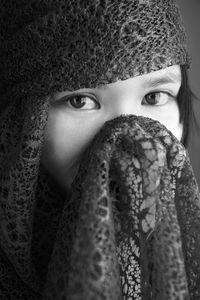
[
  {"x": 167, "y": 94},
  {"x": 66, "y": 100}
]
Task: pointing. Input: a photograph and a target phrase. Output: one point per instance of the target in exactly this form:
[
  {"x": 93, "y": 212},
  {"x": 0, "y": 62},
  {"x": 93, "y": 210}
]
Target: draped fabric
[
  {"x": 129, "y": 229},
  {"x": 48, "y": 46}
]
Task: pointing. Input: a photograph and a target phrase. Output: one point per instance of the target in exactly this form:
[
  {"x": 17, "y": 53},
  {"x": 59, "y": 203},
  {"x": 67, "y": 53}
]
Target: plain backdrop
[{"x": 191, "y": 17}]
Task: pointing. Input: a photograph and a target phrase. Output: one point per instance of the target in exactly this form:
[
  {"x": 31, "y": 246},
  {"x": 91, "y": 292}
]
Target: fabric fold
[
  {"x": 130, "y": 240},
  {"x": 129, "y": 230}
]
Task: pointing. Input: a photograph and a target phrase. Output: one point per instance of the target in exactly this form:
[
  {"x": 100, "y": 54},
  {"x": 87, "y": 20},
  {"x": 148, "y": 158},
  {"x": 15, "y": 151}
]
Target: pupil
[
  {"x": 78, "y": 102},
  {"x": 151, "y": 98}
]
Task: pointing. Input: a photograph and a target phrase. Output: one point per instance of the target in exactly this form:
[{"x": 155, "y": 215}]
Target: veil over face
[{"x": 131, "y": 226}]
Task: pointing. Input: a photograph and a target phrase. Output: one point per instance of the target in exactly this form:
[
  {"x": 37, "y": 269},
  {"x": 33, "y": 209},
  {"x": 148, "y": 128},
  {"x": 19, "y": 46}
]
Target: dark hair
[{"x": 185, "y": 102}]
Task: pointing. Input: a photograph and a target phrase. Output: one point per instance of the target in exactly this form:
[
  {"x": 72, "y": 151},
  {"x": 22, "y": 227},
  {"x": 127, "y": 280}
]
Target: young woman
[
  {"x": 98, "y": 197},
  {"x": 78, "y": 115}
]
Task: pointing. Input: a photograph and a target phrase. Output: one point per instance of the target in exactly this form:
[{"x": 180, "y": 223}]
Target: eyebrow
[
  {"x": 102, "y": 86},
  {"x": 165, "y": 79}
]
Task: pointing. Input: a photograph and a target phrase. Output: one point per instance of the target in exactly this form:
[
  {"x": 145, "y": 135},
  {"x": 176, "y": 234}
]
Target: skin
[{"x": 76, "y": 116}]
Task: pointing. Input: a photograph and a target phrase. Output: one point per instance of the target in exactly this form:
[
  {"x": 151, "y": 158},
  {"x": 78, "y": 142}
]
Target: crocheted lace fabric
[
  {"x": 129, "y": 230},
  {"x": 48, "y": 46}
]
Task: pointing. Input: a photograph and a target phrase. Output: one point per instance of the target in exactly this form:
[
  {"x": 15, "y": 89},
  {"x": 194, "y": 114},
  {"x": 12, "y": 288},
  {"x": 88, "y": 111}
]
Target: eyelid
[
  {"x": 74, "y": 94},
  {"x": 70, "y": 95},
  {"x": 83, "y": 94},
  {"x": 171, "y": 93},
  {"x": 170, "y": 88},
  {"x": 169, "y": 97}
]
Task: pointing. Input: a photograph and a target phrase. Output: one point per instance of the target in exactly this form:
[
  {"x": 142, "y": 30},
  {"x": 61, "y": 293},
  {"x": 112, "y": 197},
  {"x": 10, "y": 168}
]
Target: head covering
[
  {"x": 131, "y": 225},
  {"x": 48, "y": 46}
]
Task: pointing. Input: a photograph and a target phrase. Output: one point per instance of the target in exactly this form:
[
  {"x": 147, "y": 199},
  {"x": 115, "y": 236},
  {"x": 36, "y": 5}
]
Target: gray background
[{"x": 191, "y": 17}]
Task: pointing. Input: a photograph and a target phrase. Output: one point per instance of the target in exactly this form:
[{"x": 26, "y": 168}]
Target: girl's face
[{"x": 76, "y": 116}]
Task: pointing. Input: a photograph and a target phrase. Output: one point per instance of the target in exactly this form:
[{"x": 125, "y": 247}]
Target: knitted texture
[{"x": 48, "y": 46}]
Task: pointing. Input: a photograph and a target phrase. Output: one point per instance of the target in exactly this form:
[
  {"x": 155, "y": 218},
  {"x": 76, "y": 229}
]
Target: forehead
[
  {"x": 164, "y": 76},
  {"x": 170, "y": 75}
]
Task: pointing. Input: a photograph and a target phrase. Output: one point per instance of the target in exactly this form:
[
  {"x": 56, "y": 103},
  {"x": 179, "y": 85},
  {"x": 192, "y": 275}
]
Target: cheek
[
  {"x": 171, "y": 119},
  {"x": 65, "y": 140},
  {"x": 176, "y": 128}
]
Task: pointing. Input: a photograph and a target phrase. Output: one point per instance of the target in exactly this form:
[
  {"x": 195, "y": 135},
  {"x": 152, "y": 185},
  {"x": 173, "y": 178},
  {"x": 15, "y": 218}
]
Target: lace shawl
[{"x": 129, "y": 230}]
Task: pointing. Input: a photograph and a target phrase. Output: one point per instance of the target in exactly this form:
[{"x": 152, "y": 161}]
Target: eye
[
  {"x": 81, "y": 102},
  {"x": 156, "y": 98}
]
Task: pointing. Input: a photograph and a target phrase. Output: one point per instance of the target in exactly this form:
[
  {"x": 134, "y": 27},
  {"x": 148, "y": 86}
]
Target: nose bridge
[{"x": 127, "y": 104}]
